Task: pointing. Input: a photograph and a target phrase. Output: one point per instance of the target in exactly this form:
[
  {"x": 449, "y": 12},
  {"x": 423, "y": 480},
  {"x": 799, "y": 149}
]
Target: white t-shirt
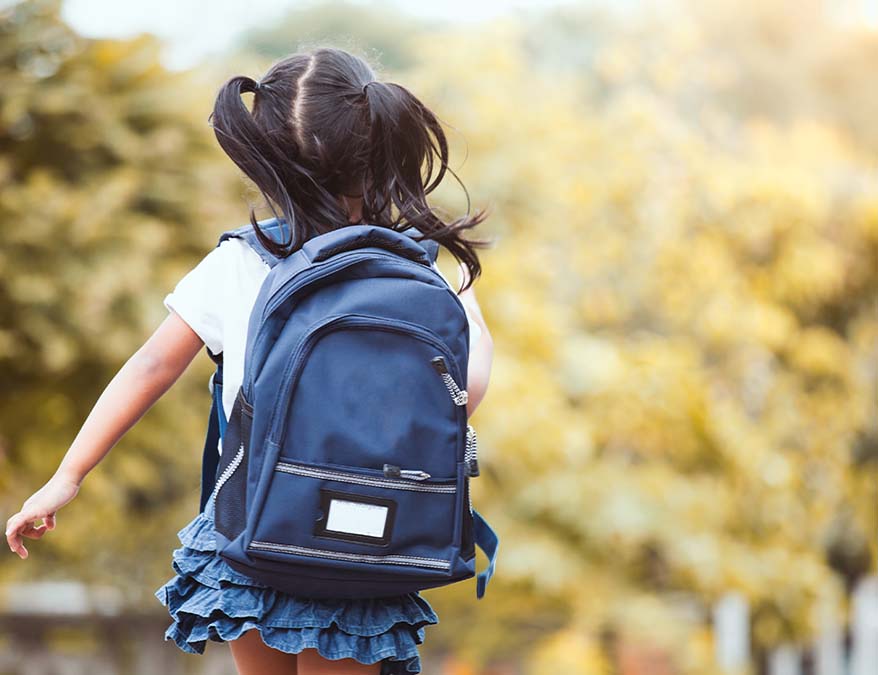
[{"x": 215, "y": 298}]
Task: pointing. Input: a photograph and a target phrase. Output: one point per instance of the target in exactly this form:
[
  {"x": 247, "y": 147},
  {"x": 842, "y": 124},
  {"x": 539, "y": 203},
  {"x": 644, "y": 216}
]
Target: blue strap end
[
  {"x": 218, "y": 408},
  {"x": 487, "y": 540}
]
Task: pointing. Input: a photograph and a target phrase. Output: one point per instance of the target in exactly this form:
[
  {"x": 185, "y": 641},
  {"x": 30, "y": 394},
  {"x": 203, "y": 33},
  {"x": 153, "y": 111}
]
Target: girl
[{"x": 330, "y": 145}]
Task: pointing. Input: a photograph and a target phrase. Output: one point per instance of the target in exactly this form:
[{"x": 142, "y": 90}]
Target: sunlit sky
[{"x": 193, "y": 29}]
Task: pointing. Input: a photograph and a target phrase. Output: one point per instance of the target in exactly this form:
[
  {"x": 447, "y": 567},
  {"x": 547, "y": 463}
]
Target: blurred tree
[
  {"x": 683, "y": 305},
  {"x": 784, "y": 60},
  {"x": 109, "y": 191},
  {"x": 683, "y": 301}
]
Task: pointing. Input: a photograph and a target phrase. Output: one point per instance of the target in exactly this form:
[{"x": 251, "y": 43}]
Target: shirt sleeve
[
  {"x": 475, "y": 331},
  {"x": 198, "y": 297}
]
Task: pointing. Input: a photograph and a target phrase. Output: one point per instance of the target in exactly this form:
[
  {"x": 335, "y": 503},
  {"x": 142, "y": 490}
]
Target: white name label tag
[{"x": 349, "y": 517}]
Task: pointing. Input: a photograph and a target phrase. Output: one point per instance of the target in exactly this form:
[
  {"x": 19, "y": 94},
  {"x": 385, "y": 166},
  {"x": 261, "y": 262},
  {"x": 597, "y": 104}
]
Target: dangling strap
[
  {"x": 216, "y": 428},
  {"x": 487, "y": 540}
]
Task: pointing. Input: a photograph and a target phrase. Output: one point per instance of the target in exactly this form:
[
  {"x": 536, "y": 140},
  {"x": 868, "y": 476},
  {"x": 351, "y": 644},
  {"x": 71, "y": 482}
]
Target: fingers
[
  {"x": 13, "y": 537},
  {"x": 50, "y": 521},
  {"x": 22, "y": 525},
  {"x": 32, "y": 532}
]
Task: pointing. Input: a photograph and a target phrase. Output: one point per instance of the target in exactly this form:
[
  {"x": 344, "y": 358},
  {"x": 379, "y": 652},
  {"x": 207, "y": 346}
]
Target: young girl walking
[{"x": 331, "y": 146}]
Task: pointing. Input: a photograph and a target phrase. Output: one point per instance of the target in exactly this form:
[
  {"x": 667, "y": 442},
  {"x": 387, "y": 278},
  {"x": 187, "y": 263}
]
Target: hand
[{"x": 42, "y": 505}]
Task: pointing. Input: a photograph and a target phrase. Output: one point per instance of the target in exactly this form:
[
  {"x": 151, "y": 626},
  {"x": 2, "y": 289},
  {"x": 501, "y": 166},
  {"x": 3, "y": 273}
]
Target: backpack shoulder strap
[
  {"x": 216, "y": 423},
  {"x": 274, "y": 228},
  {"x": 430, "y": 246},
  {"x": 216, "y": 426}
]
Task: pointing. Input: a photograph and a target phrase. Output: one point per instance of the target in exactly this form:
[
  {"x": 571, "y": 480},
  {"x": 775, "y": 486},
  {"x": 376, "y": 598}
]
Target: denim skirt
[{"x": 208, "y": 600}]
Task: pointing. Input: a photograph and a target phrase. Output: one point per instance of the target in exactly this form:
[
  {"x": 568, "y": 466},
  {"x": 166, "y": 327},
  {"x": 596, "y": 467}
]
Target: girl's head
[{"x": 331, "y": 145}]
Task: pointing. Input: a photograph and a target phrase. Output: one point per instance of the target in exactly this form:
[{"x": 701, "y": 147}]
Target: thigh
[
  {"x": 311, "y": 663},
  {"x": 253, "y": 657}
]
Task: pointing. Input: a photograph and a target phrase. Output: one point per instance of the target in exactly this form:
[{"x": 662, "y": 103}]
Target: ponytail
[
  {"x": 403, "y": 135},
  {"x": 322, "y": 126},
  {"x": 272, "y": 171}
]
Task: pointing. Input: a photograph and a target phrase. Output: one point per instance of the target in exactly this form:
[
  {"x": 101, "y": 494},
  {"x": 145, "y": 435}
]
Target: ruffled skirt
[{"x": 209, "y": 600}]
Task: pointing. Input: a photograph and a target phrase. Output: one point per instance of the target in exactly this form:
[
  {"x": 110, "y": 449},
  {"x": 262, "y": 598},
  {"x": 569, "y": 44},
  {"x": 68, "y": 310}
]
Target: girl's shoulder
[
  {"x": 229, "y": 255},
  {"x": 237, "y": 252},
  {"x": 211, "y": 292},
  {"x": 228, "y": 265}
]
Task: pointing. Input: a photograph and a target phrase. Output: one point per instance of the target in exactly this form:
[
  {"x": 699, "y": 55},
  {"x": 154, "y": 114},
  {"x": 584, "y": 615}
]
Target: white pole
[
  {"x": 784, "y": 661},
  {"x": 731, "y": 627},
  {"x": 864, "y": 628},
  {"x": 829, "y": 656}
]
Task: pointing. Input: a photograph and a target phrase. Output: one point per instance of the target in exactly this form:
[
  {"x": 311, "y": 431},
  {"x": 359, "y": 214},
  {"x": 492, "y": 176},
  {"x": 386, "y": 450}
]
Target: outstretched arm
[{"x": 148, "y": 374}]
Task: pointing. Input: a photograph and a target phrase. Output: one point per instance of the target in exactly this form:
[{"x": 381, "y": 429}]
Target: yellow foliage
[
  {"x": 682, "y": 301},
  {"x": 568, "y": 652}
]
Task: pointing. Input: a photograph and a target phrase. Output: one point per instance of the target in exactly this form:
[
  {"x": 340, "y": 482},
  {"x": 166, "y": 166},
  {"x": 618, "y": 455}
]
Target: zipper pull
[
  {"x": 458, "y": 395},
  {"x": 414, "y": 474},
  {"x": 393, "y": 471},
  {"x": 470, "y": 454}
]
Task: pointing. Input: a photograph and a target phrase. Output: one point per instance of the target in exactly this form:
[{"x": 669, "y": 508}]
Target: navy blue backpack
[{"x": 346, "y": 461}]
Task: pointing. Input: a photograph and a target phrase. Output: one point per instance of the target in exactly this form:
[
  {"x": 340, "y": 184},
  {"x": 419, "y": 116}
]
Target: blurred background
[{"x": 680, "y": 441}]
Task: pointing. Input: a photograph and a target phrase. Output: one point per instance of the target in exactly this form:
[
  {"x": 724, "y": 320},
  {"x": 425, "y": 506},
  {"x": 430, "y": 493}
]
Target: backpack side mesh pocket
[{"x": 230, "y": 492}]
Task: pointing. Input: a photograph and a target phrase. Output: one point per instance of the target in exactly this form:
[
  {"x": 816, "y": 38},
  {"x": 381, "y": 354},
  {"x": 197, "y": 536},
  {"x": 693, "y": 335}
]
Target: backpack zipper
[
  {"x": 458, "y": 395},
  {"x": 360, "y": 479},
  {"x": 324, "y": 269},
  {"x": 470, "y": 456},
  {"x": 414, "y": 561},
  {"x": 228, "y": 471},
  {"x": 293, "y": 369},
  {"x": 393, "y": 471},
  {"x": 343, "y": 260},
  {"x": 471, "y": 462}
]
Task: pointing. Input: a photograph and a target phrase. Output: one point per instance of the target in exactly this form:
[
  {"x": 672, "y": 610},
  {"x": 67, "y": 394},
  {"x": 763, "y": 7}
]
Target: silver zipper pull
[
  {"x": 414, "y": 474},
  {"x": 471, "y": 462},
  {"x": 393, "y": 471},
  {"x": 458, "y": 395},
  {"x": 470, "y": 454}
]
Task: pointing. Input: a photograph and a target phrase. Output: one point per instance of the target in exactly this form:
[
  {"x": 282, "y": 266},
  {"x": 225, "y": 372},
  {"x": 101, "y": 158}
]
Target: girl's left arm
[{"x": 147, "y": 374}]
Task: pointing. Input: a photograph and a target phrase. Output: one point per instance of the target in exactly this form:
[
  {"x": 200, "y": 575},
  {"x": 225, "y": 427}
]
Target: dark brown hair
[{"x": 322, "y": 125}]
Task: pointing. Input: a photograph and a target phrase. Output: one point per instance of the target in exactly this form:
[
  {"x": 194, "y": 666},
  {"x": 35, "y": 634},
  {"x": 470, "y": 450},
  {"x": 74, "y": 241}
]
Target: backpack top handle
[
  {"x": 353, "y": 237},
  {"x": 346, "y": 238}
]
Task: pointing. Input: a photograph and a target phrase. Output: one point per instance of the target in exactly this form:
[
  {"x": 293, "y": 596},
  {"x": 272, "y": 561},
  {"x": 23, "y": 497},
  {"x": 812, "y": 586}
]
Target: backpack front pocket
[{"x": 337, "y": 516}]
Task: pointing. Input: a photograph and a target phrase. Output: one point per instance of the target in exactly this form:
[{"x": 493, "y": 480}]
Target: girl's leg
[
  {"x": 311, "y": 663},
  {"x": 253, "y": 657}
]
